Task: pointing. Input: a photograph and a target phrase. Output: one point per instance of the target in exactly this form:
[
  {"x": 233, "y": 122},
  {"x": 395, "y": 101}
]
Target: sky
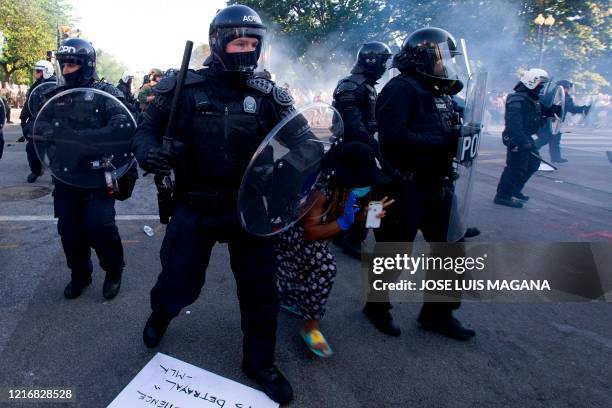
[{"x": 145, "y": 34}]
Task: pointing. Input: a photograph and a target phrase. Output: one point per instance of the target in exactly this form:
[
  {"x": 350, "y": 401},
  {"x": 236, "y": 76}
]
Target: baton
[{"x": 537, "y": 156}]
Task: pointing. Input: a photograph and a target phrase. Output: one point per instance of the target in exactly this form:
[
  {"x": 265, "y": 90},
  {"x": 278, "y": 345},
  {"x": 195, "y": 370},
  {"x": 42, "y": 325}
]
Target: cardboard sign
[{"x": 166, "y": 382}]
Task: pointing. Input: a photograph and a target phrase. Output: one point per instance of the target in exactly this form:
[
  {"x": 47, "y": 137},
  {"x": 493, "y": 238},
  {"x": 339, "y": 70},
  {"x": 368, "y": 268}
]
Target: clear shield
[
  {"x": 84, "y": 136},
  {"x": 467, "y": 154},
  {"x": 556, "y": 123},
  {"x": 39, "y": 95},
  {"x": 276, "y": 187}
]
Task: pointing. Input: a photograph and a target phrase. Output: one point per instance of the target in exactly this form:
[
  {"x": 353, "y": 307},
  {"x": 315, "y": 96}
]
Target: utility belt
[
  {"x": 208, "y": 201},
  {"x": 434, "y": 184}
]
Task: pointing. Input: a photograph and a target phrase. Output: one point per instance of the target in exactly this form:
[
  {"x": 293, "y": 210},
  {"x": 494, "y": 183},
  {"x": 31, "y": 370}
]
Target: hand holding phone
[{"x": 374, "y": 209}]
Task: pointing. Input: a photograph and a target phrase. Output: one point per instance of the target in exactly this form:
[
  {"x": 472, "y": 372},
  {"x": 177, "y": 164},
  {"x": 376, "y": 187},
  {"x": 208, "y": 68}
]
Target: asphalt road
[{"x": 524, "y": 355}]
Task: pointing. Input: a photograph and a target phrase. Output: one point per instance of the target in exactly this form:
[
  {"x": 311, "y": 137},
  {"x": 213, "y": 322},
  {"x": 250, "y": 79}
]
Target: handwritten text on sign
[{"x": 166, "y": 382}]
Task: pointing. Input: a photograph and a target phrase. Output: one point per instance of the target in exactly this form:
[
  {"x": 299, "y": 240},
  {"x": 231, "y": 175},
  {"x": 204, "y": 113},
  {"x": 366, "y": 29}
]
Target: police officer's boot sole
[
  {"x": 74, "y": 289},
  {"x": 111, "y": 286},
  {"x": 449, "y": 327},
  {"x": 272, "y": 382},
  {"x": 155, "y": 329},
  {"x": 382, "y": 320},
  {"x": 508, "y": 202},
  {"x": 521, "y": 197}
]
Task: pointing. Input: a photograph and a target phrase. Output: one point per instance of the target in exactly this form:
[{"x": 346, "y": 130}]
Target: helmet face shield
[
  {"x": 241, "y": 61},
  {"x": 439, "y": 61}
]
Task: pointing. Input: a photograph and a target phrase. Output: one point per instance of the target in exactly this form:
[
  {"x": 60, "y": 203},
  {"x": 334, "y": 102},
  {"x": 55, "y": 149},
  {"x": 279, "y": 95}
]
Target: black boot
[
  {"x": 272, "y": 382},
  {"x": 155, "y": 328},
  {"x": 32, "y": 177},
  {"x": 508, "y": 202},
  {"x": 74, "y": 289},
  {"x": 446, "y": 325},
  {"x": 471, "y": 232},
  {"x": 520, "y": 196},
  {"x": 112, "y": 284},
  {"x": 382, "y": 319}
]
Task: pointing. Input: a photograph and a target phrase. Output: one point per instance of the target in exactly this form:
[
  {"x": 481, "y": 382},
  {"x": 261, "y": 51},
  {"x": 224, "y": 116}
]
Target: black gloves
[
  {"x": 159, "y": 161},
  {"x": 551, "y": 111}
]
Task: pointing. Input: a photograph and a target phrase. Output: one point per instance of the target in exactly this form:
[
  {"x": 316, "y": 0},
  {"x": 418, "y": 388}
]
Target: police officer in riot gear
[
  {"x": 544, "y": 135},
  {"x": 524, "y": 116},
  {"x": 418, "y": 137},
  {"x": 355, "y": 99},
  {"x": 43, "y": 72},
  {"x": 224, "y": 113},
  {"x": 86, "y": 217}
]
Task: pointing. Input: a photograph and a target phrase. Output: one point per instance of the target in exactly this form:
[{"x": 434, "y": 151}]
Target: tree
[
  {"x": 29, "y": 27},
  {"x": 198, "y": 55},
  {"x": 108, "y": 67}
]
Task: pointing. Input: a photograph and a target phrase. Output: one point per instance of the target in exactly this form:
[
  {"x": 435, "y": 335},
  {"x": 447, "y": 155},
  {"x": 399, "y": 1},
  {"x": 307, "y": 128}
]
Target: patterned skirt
[{"x": 306, "y": 273}]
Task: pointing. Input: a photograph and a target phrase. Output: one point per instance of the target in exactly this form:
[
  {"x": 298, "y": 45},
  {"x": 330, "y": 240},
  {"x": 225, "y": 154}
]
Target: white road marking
[{"x": 18, "y": 218}]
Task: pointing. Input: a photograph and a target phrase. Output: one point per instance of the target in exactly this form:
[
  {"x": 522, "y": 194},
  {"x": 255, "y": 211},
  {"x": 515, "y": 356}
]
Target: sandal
[{"x": 315, "y": 338}]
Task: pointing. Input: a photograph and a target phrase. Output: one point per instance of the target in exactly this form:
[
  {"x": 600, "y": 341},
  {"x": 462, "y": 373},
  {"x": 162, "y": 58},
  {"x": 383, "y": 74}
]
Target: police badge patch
[{"x": 249, "y": 104}]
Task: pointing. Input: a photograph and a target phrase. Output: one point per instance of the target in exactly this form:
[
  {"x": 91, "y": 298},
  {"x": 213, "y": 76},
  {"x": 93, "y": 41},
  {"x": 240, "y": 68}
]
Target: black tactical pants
[
  {"x": 1, "y": 143},
  {"x": 185, "y": 254},
  {"x": 425, "y": 207},
  {"x": 520, "y": 166},
  {"x": 33, "y": 160},
  {"x": 86, "y": 219}
]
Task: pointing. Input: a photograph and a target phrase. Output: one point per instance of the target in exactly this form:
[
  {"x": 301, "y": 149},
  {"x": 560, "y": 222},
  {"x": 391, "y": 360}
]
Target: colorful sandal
[{"x": 315, "y": 338}]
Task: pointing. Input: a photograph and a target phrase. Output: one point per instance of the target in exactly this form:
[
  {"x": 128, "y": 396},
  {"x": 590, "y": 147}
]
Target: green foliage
[
  {"x": 500, "y": 34},
  {"x": 30, "y": 30},
  {"x": 108, "y": 67}
]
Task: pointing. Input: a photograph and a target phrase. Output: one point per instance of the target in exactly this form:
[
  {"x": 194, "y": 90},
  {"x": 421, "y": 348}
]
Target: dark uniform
[
  {"x": 27, "y": 123},
  {"x": 126, "y": 89},
  {"x": 418, "y": 138},
  {"x": 224, "y": 113},
  {"x": 86, "y": 216},
  {"x": 1, "y": 128},
  {"x": 524, "y": 116},
  {"x": 355, "y": 99},
  {"x": 545, "y": 135}
]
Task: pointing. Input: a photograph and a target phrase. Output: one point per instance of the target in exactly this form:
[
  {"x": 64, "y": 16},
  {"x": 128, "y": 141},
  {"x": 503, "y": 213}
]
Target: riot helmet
[
  {"x": 430, "y": 53},
  {"x": 79, "y": 52},
  {"x": 45, "y": 67},
  {"x": 229, "y": 24},
  {"x": 126, "y": 77},
  {"x": 534, "y": 80},
  {"x": 372, "y": 59}
]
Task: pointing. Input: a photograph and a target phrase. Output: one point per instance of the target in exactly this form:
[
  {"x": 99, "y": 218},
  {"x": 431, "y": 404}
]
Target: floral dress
[{"x": 305, "y": 274}]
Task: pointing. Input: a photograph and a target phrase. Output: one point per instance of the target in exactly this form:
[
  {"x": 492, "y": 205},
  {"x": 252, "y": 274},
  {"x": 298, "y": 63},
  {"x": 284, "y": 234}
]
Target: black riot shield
[
  {"x": 467, "y": 154},
  {"x": 2, "y": 113},
  {"x": 83, "y": 136},
  {"x": 276, "y": 187},
  {"x": 39, "y": 95},
  {"x": 558, "y": 98}
]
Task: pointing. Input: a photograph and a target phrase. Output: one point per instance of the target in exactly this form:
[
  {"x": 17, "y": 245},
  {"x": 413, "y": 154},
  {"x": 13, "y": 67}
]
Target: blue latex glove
[{"x": 350, "y": 210}]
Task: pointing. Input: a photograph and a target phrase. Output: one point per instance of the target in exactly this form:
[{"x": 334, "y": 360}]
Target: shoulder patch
[
  {"x": 166, "y": 85},
  {"x": 282, "y": 96},
  {"x": 346, "y": 86},
  {"x": 263, "y": 85}
]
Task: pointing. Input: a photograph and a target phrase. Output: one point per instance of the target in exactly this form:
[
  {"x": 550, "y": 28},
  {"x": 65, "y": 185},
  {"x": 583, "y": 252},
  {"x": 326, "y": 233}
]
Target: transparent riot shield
[
  {"x": 467, "y": 154},
  {"x": 84, "y": 136},
  {"x": 556, "y": 123},
  {"x": 275, "y": 189},
  {"x": 39, "y": 95}
]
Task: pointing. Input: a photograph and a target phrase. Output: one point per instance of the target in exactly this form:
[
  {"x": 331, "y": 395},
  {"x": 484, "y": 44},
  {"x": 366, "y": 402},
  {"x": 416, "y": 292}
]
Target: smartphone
[{"x": 372, "y": 219}]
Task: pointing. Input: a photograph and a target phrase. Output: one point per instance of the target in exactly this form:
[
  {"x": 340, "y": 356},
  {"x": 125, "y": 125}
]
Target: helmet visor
[
  {"x": 440, "y": 61},
  {"x": 241, "y": 47}
]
